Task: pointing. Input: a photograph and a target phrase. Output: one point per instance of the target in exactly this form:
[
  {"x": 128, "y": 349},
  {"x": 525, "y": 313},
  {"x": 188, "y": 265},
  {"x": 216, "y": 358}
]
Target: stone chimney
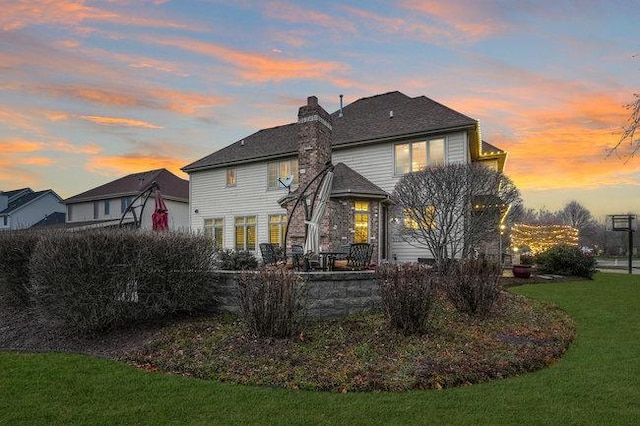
[{"x": 314, "y": 151}]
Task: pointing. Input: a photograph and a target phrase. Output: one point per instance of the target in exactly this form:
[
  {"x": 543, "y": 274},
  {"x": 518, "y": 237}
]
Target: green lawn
[{"x": 596, "y": 382}]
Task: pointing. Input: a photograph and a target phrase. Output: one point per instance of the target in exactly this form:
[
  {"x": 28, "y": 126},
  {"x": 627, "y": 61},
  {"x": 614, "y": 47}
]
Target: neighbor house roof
[
  {"x": 21, "y": 197},
  {"x": 55, "y": 219},
  {"x": 367, "y": 120},
  {"x": 171, "y": 187}
]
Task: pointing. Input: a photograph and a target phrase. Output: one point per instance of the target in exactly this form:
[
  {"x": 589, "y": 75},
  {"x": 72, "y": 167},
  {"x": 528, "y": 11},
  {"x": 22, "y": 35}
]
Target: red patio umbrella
[{"x": 160, "y": 216}]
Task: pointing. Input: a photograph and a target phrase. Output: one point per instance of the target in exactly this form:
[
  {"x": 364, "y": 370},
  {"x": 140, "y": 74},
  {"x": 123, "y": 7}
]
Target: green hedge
[
  {"x": 566, "y": 260},
  {"x": 98, "y": 279}
]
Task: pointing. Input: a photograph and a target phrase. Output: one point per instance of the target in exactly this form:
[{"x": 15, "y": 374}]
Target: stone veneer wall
[{"x": 330, "y": 294}]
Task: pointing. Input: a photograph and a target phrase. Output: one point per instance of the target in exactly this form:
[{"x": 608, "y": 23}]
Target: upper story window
[
  {"x": 96, "y": 209},
  {"x": 107, "y": 208},
  {"x": 5, "y": 221},
  {"x": 231, "y": 176},
  {"x": 213, "y": 228},
  {"x": 414, "y": 156},
  {"x": 69, "y": 212},
  {"x": 281, "y": 169}
]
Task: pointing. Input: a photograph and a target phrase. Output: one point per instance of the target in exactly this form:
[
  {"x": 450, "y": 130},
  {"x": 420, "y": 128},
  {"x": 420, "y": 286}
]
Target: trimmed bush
[
  {"x": 473, "y": 286},
  {"x": 272, "y": 302},
  {"x": 16, "y": 248},
  {"x": 566, "y": 260},
  {"x": 99, "y": 279},
  {"x": 407, "y": 291},
  {"x": 232, "y": 260}
]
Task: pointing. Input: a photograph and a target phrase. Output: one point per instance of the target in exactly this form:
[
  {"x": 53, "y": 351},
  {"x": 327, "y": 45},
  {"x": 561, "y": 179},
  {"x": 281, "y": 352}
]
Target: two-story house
[
  {"x": 22, "y": 208},
  {"x": 131, "y": 199},
  {"x": 237, "y": 196}
]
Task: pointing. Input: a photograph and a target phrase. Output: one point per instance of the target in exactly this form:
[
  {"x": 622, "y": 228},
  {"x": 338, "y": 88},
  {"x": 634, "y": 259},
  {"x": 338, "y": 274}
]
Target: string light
[{"x": 539, "y": 238}]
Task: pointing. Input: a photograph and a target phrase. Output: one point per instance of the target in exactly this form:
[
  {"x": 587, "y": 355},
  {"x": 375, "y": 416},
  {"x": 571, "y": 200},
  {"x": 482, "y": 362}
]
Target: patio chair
[
  {"x": 297, "y": 256},
  {"x": 269, "y": 254},
  {"x": 358, "y": 258}
]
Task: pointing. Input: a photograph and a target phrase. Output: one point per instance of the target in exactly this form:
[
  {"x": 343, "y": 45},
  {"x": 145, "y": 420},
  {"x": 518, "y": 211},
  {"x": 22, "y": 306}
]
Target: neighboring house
[
  {"x": 22, "y": 208},
  {"x": 237, "y": 199},
  {"x": 105, "y": 205}
]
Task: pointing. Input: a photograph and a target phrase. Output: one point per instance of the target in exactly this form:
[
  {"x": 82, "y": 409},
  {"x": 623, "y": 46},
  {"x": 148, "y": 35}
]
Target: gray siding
[
  {"x": 376, "y": 163},
  {"x": 249, "y": 197}
]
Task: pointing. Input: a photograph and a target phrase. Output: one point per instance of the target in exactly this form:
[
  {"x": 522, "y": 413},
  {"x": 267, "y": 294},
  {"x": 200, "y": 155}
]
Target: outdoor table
[{"x": 327, "y": 258}]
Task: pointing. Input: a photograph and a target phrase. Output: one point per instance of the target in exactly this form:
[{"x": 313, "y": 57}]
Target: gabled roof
[
  {"x": 366, "y": 120},
  {"x": 171, "y": 187},
  {"x": 346, "y": 183},
  {"x": 349, "y": 183},
  {"x": 21, "y": 197},
  {"x": 55, "y": 219},
  {"x": 393, "y": 115}
]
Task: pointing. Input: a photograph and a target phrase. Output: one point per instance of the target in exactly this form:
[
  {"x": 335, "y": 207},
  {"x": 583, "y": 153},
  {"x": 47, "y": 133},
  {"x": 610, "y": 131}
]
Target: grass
[{"x": 596, "y": 382}]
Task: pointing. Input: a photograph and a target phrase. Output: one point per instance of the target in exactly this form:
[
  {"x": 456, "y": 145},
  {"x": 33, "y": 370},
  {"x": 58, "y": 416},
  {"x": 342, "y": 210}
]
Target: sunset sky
[{"x": 93, "y": 90}]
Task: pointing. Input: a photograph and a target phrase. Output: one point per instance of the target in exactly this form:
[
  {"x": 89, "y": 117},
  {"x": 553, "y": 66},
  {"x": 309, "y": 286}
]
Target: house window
[
  {"x": 213, "y": 228},
  {"x": 5, "y": 221},
  {"x": 246, "y": 233},
  {"x": 361, "y": 222},
  {"x": 231, "y": 176},
  {"x": 96, "y": 209},
  {"x": 414, "y": 156},
  {"x": 69, "y": 213},
  {"x": 107, "y": 208},
  {"x": 124, "y": 203},
  {"x": 277, "y": 228},
  {"x": 426, "y": 218},
  {"x": 281, "y": 169}
]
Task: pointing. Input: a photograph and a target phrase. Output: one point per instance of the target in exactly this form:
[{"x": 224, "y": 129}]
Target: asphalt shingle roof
[
  {"x": 16, "y": 203},
  {"x": 171, "y": 187},
  {"x": 348, "y": 182},
  {"x": 365, "y": 120}
]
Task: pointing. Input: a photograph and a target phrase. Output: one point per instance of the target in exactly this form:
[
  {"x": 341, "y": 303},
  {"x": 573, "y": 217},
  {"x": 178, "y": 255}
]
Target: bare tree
[
  {"x": 576, "y": 215},
  {"x": 631, "y": 130},
  {"x": 452, "y": 209}
]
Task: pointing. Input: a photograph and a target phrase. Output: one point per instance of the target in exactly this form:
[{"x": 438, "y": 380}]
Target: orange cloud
[
  {"x": 36, "y": 161},
  {"x": 73, "y": 13},
  {"x": 18, "y": 120},
  {"x": 23, "y": 146},
  {"x": 256, "y": 67},
  {"x": 290, "y": 12},
  {"x": 133, "y": 162},
  {"x": 19, "y": 146},
  {"x": 466, "y": 19},
  {"x": 115, "y": 121}
]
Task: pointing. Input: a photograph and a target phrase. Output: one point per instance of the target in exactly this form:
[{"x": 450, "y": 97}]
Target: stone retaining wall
[{"x": 330, "y": 294}]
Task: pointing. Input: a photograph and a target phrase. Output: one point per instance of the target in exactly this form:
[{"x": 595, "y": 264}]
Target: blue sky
[{"x": 93, "y": 90}]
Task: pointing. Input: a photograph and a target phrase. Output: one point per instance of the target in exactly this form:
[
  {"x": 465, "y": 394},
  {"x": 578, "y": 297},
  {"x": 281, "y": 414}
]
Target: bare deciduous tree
[
  {"x": 630, "y": 131},
  {"x": 454, "y": 208}
]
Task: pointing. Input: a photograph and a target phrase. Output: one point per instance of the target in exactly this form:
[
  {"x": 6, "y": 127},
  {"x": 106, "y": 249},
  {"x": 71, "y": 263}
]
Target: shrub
[
  {"x": 407, "y": 291},
  {"x": 232, "y": 260},
  {"x": 16, "y": 248},
  {"x": 272, "y": 302},
  {"x": 473, "y": 286},
  {"x": 566, "y": 260},
  {"x": 527, "y": 259},
  {"x": 98, "y": 279}
]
